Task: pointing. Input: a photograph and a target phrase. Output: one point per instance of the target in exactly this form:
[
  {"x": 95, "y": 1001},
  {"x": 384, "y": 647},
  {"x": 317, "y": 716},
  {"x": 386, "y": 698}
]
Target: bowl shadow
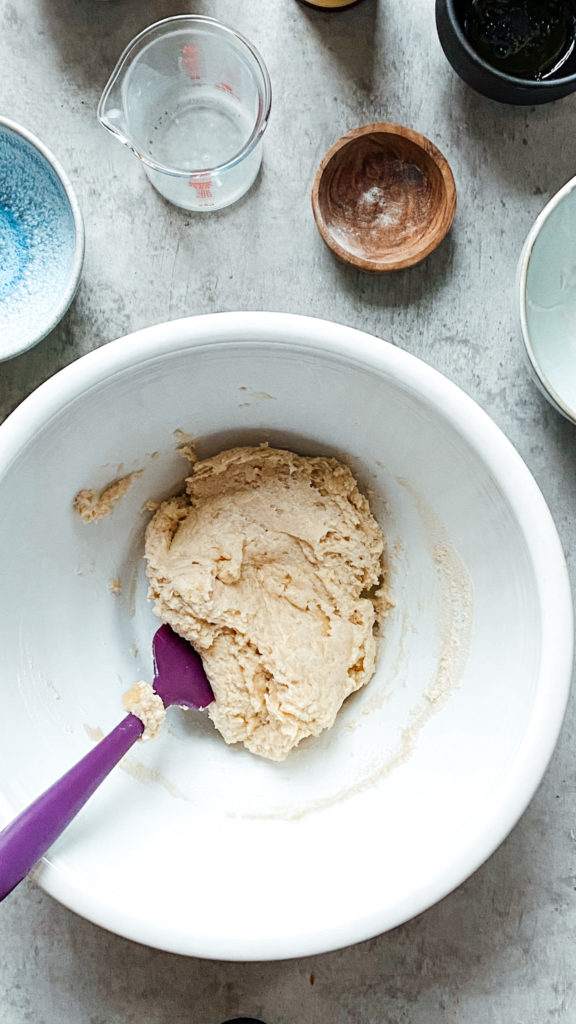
[{"x": 517, "y": 140}]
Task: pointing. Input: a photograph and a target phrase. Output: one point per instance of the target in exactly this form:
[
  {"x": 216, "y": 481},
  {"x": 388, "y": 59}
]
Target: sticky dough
[{"x": 270, "y": 565}]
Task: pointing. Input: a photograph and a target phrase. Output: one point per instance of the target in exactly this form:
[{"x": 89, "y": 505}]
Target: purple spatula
[{"x": 179, "y": 679}]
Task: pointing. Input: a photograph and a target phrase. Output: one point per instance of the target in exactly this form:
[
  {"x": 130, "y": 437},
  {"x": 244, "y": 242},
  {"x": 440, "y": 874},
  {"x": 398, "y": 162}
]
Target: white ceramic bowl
[
  {"x": 203, "y": 849},
  {"x": 547, "y": 300}
]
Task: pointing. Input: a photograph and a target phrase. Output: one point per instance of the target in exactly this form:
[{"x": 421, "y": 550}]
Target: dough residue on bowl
[
  {"x": 143, "y": 701},
  {"x": 270, "y": 564},
  {"x": 92, "y": 506}
]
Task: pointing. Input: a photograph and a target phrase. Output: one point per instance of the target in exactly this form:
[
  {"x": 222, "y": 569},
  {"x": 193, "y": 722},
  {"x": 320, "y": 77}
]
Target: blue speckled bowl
[{"x": 41, "y": 240}]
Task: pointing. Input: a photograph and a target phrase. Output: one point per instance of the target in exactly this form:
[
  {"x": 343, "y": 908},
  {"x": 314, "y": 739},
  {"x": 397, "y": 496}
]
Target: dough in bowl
[{"x": 270, "y": 564}]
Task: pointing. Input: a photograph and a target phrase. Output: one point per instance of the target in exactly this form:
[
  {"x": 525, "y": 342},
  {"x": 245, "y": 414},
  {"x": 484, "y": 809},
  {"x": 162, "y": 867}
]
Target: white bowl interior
[
  {"x": 549, "y": 300},
  {"x": 204, "y": 849}
]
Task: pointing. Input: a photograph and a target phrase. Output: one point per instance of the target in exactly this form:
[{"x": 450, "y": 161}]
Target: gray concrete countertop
[{"x": 501, "y": 949}]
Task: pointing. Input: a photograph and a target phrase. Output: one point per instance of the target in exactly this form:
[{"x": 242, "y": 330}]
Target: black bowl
[{"x": 484, "y": 78}]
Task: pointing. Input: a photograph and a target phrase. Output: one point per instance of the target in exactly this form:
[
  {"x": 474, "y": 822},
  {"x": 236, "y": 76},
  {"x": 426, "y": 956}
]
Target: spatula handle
[{"x": 28, "y": 837}]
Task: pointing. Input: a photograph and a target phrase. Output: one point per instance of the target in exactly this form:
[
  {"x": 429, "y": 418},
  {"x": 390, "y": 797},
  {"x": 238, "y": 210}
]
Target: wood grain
[{"x": 384, "y": 197}]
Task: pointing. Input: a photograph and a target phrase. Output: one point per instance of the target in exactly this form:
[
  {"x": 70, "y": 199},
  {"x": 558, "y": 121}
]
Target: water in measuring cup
[
  {"x": 197, "y": 132},
  {"x": 202, "y": 130}
]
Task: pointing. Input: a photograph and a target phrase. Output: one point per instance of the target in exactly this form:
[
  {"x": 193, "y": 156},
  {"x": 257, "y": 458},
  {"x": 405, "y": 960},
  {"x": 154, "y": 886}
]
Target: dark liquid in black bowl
[{"x": 532, "y": 39}]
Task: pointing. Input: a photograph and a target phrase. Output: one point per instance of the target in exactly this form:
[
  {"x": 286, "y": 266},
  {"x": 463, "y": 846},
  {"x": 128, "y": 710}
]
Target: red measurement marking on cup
[
  {"x": 191, "y": 58},
  {"x": 203, "y": 188},
  {"x": 224, "y": 87}
]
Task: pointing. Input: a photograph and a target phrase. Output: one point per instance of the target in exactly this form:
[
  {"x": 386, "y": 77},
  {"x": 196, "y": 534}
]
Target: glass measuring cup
[{"x": 191, "y": 98}]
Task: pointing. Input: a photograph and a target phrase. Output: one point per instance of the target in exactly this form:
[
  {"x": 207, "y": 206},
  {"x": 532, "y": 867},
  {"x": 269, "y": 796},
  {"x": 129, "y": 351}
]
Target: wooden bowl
[{"x": 383, "y": 198}]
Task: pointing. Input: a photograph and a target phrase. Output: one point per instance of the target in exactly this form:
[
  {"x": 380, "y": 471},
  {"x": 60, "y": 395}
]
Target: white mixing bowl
[{"x": 204, "y": 849}]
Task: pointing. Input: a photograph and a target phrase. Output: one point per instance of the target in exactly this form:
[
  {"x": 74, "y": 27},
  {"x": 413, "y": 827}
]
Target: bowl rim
[
  {"x": 310, "y": 335},
  {"x": 540, "y": 377},
  {"x": 79, "y": 236},
  {"x": 448, "y": 206}
]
